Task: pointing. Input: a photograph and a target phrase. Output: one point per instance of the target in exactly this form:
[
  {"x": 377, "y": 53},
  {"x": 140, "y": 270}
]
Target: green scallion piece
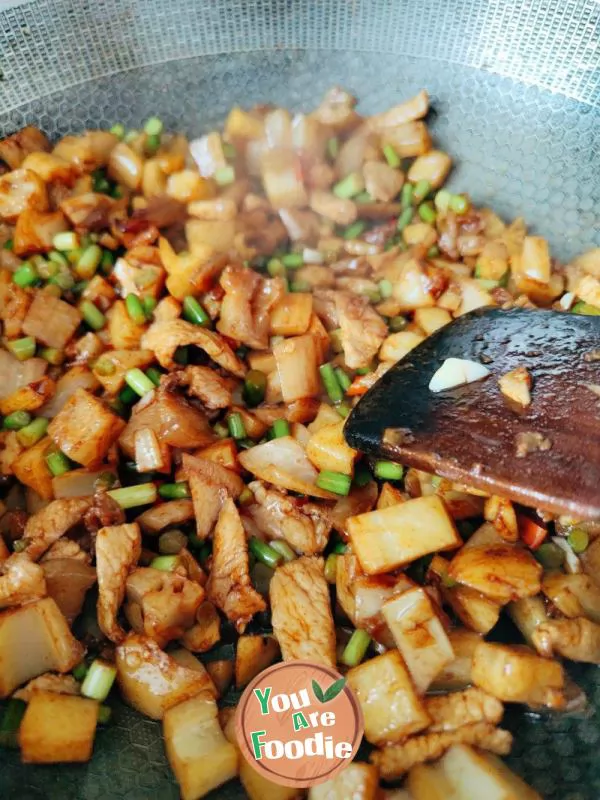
[
  {"x": 107, "y": 262},
  {"x": 404, "y": 219},
  {"x": 549, "y": 555},
  {"x": 331, "y": 568},
  {"x": 292, "y": 260},
  {"x": 578, "y": 540},
  {"x": 80, "y": 671},
  {"x": 264, "y": 552},
  {"x": 22, "y": 348},
  {"x": 275, "y": 268},
  {"x": 128, "y": 396},
  {"x": 89, "y": 262},
  {"x": 57, "y": 258},
  {"x": 8, "y": 244},
  {"x": 135, "y": 309},
  {"x": 92, "y": 315},
  {"x": 331, "y": 383},
  {"x": 458, "y": 203},
  {"x": 16, "y": 420},
  {"x": 63, "y": 279},
  {"x": 343, "y": 379},
  {"x": 174, "y": 491},
  {"x": 67, "y": 240},
  {"x": 144, "y": 494},
  {"x": 385, "y": 288},
  {"x": 25, "y": 275},
  {"x": 339, "y": 548},
  {"x": 99, "y": 680},
  {"x": 152, "y": 144},
  {"x": 343, "y": 409},
  {"x": 255, "y": 387},
  {"x": 406, "y": 196},
  {"x": 355, "y": 230},
  {"x": 280, "y": 428},
  {"x": 229, "y": 151},
  {"x": 32, "y": 433},
  {"x": 433, "y": 251},
  {"x": 585, "y": 308},
  {"x": 118, "y": 130},
  {"x": 53, "y": 356},
  {"x": 427, "y": 213},
  {"x": 282, "y": 547},
  {"x": 300, "y": 286},
  {"x": 225, "y": 176},
  {"x": 388, "y": 471},
  {"x": 362, "y": 198},
  {"x": 165, "y": 563},
  {"x": 193, "y": 312},
  {"x": 236, "y": 426},
  {"x": 104, "y": 715},
  {"x": 154, "y": 374},
  {"x": 58, "y": 463},
  {"x": 136, "y": 380},
  {"x": 363, "y": 370},
  {"x": 153, "y": 127},
  {"x": 131, "y": 136},
  {"x": 11, "y": 722},
  {"x": 149, "y": 304},
  {"x": 105, "y": 366},
  {"x": 221, "y": 430},
  {"x": 397, "y": 323},
  {"x": 246, "y": 497},
  {"x": 356, "y": 649},
  {"x": 349, "y": 186},
  {"x": 336, "y": 482},
  {"x": 391, "y": 156},
  {"x": 420, "y": 191},
  {"x": 333, "y": 147},
  {"x": 442, "y": 200},
  {"x": 335, "y": 338}
]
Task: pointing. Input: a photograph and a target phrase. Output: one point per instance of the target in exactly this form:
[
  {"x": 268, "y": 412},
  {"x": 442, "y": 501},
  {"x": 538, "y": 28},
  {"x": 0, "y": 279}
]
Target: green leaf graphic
[
  {"x": 318, "y": 692},
  {"x": 334, "y": 689}
]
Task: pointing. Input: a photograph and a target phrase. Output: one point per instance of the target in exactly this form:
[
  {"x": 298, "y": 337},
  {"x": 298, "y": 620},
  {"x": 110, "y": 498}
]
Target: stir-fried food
[{"x": 185, "y": 327}]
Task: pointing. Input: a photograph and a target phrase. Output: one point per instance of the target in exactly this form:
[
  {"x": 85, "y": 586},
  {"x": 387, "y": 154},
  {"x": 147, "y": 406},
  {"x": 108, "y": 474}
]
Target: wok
[{"x": 516, "y": 101}]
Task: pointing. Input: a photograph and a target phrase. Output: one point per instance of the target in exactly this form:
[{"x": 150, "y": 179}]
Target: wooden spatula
[{"x": 473, "y": 434}]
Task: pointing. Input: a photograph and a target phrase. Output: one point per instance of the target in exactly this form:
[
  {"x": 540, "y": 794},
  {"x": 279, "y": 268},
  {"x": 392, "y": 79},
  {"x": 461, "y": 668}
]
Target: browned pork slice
[
  {"x": 363, "y": 329},
  {"x": 118, "y": 548},
  {"x": 21, "y": 581},
  {"x": 246, "y": 306},
  {"x": 52, "y": 522}
]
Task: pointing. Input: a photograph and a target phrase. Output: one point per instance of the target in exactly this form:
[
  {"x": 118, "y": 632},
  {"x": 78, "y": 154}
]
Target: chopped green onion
[
  {"x": 128, "y": 396},
  {"x": 11, "y": 721},
  {"x": 331, "y": 383},
  {"x": 67, "y": 240},
  {"x": 58, "y": 463},
  {"x": 152, "y": 144},
  {"x": 224, "y": 176},
  {"x": 100, "y": 183},
  {"x": 282, "y": 547},
  {"x": 118, "y": 130},
  {"x": 135, "y": 309},
  {"x": 300, "y": 286},
  {"x": 331, "y": 568},
  {"x": 52, "y": 356},
  {"x": 221, "y": 430},
  {"x": 144, "y": 494},
  {"x": 92, "y": 315},
  {"x": 292, "y": 260},
  {"x": 363, "y": 197},
  {"x": 406, "y": 196},
  {"x": 335, "y": 338},
  {"x": 80, "y": 671},
  {"x": 349, "y": 186},
  {"x": 165, "y": 563},
  {"x": 344, "y": 381},
  {"x": 458, "y": 203},
  {"x": 149, "y": 304},
  {"x": 17, "y": 420},
  {"x": 8, "y": 244},
  {"x": 104, "y": 714},
  {"x": 193, "y": 312},
  {"x": 336, "y": 482},
  {"x": 136, "y": 380},
  {"x": 58, "y": 258},
  {"x": 25, "y": 275},
  {"x": 172, "y": 542},
  {"x": 46, "y": 269},
  {"x": 32, "y": 433},
  {"x": 131, "y": 135},
  {"x": 585, "y": 308},
  {"x": 89, "y": 261},
  {"x": 229, "y": 151},
  {"x": 153, "y": 126},
  {"x": 22, "y": 348},
  {"x": 343, "y": 409},
  {"x": 154, "y": 374},
  {"x": 442, "y": 200},
  {"x": 420, "y": 190},
  {"x": 388, "y": 471},
  {"x": 404, "y": 219},
  {"x": 363, "y": 370},
  {"x": 362, "y": 475},
  {"x": 246, "y": 497},
  {"x": 280, "y": 428},
  {"x": 105, "y": 366},
  {"x": 391, "y": 156},
  {"x": 397, "y": 323},
  {"x": 433, "y": 251},
  {"x": 333, "y": 147},
  {"x": 578, "y": 540},
  {"x": 255, "y": 387},
  {"x": 355, "y": 230},
  {"x": 99, "y": 680},
  {"x": 339, "y": 548},
  {"x": 275, "y": 268},
  {"x": 63, "y": 279},
  {"x": 264, "y": 552},
  {"x": 236, "y": 425},
  {"x": 427, "y": 213},
  {"x": 373, "y": 295},
  {"x": 107, "y": 262},
  {"x": 385, "y": 288},
  {"x": 174, "y": 491},
  {"x": 356, "y": 649},
  {"x": 549, "y": 555}
]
